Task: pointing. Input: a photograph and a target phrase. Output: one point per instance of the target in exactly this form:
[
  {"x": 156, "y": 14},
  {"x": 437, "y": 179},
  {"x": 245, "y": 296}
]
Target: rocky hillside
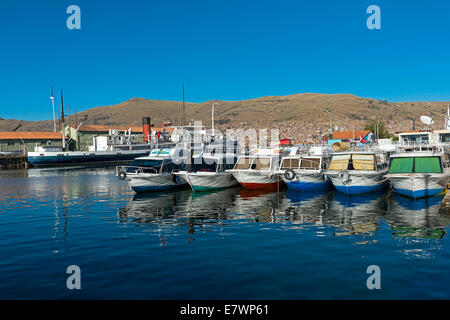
[{"x": 265, "y": 111}]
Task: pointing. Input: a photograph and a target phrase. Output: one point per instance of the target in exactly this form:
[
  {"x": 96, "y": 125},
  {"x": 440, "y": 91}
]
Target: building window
[
  {"x": 11, "y": 143},
  {"x": 445, "y": 137}
]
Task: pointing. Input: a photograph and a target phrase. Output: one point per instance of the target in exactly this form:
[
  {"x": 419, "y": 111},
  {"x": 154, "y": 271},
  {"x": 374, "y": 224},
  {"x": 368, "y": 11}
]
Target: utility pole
[
  {"x": 62, "y": 123},
  {"x": 53, "y": 107},
  {"x": 331, "y": 115}
]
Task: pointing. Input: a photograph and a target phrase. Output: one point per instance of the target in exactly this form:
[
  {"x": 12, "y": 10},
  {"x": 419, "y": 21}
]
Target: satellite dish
[{"x": 426, "y": 120}]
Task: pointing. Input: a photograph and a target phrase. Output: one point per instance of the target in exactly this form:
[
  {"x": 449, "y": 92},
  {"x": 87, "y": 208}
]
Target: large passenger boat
[{"x": 114, "y": 148}]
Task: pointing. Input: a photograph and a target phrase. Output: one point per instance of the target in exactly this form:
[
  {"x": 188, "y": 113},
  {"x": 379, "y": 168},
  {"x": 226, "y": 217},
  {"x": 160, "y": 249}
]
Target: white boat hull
[
  {"x": 359, "y": 182},
  {"x": 418, "y": 185},
  {"x": 256, "y": 179},
  {"x": 201, "y": 181},
  {"x": 142, "y": 182}
]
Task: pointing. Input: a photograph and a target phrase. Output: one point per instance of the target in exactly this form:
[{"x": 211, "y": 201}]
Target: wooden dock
[{"x": 13, "y": 161}]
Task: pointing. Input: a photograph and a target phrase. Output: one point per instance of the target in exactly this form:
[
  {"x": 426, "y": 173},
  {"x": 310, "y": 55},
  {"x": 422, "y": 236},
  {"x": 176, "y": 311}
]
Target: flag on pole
[{"x": 361, "y": 139}]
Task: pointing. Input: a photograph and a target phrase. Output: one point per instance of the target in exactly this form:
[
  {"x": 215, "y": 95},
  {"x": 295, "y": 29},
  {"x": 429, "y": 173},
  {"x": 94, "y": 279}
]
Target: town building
[
  {"x": 359, "y": 137},
  {"x": 22, "y": 141},
  {"x": 424, "y": 137}
]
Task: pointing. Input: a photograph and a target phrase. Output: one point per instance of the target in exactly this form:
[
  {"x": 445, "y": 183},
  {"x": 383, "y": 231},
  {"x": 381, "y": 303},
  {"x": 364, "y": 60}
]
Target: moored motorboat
[
  {"x": 257, "y": 171},
  {"x": 418, "y": 174},
  {"x": 210, "y": 173},
  {"x": 357, "y": 172},
  {"x": 306, "y": 171},
  {"x": 153, "y": 172}
]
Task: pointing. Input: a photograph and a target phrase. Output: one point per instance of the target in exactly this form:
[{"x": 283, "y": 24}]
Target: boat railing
[
  {"x": 137, "y": 169},
  {"x": 413, "y": 146}
]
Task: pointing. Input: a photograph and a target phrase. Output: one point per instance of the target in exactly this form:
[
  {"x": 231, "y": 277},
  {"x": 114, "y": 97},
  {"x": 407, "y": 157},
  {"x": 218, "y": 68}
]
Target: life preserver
[
  {"x": 122, "y": 175},
  {"x": 344, "y": 176},
  {"x": 289, "y": 174}
]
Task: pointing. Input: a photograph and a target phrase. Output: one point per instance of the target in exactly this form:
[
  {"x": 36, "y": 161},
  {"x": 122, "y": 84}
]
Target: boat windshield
[
  {"x": 243, "y": 163},
  {"x": 170, "y": 166},
  {"x": 147, "y": 163},
  {"x": 415, "y": 165},
  {"x": 261, "y": 164},
  {"x": 289, "y": 163},
  {"x": 205, "y": 167},
  {"x": 310, "y": 163}
]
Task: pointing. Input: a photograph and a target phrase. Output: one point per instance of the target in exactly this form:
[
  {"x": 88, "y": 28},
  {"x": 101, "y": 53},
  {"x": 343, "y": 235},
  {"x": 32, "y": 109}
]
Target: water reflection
[
  {"x": 418, "y": 225},
  {"x": 358, "y": 214},
  {"x": 421, "y": 218},
  {"x": 91, "y": 218},
  {"x": 348, "y": 215},
  {"x": 89, "y": 192}
]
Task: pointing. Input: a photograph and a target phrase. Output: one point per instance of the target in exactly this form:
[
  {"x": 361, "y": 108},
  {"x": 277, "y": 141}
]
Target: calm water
[{"x": 229, "y": 244}]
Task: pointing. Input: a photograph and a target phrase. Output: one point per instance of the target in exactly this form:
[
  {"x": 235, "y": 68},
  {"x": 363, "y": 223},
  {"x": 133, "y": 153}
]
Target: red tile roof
[
  {"x": 100, "y": 128},
  {"x": 134, "y": 129},
  {"x": 30, "y": 135},
  {"x": 166, "y": 129},
  {"x": 350, "y": 134}
]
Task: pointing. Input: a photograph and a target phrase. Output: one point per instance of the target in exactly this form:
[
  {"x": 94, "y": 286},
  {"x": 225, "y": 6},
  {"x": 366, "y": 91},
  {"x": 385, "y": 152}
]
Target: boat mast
[
  {"x": 212, "y": 118},
  {"x": 183, "y": 110},
  {"x": 53, "y": 107},
  {"x": 62, "y": 123}
]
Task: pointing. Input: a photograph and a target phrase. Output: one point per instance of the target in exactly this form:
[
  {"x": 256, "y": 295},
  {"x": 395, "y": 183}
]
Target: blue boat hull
[
  {"x": 351, "y": 190},
  {"x": 419, "y": 193},
  {"x": 82, "y": 159},
  {"x": 307, "y": 186}
]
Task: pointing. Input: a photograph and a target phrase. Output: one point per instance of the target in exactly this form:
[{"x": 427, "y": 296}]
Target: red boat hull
[{"x": 253, "y": 186}]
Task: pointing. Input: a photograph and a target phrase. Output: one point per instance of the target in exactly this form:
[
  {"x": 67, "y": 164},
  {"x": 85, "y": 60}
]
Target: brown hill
[{"x": 265, "y": 111}]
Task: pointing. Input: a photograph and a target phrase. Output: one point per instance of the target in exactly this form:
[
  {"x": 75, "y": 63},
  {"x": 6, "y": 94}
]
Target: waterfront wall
[{"x": 14, "y": 161}]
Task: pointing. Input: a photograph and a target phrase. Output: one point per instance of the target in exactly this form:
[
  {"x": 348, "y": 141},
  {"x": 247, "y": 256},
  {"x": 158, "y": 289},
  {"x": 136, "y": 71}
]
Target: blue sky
[{"x": 225, "y": 50}]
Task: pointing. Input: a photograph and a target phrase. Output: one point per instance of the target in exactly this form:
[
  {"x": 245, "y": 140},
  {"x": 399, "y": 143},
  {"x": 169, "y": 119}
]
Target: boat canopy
[
  {"x": 365, "y": 162},
  {"x": 415, "y": 165}
]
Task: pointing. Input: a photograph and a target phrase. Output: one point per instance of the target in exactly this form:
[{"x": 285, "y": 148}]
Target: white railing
[{"x": 137, "y": 169}]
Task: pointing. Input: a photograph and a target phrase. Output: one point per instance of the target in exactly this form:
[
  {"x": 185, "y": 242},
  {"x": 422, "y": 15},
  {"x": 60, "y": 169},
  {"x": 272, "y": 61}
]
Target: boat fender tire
[
  {"x": 122, "y": 175},
  {"x": 344, "y": 176},
  {"x": 289, "y": 174}
]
